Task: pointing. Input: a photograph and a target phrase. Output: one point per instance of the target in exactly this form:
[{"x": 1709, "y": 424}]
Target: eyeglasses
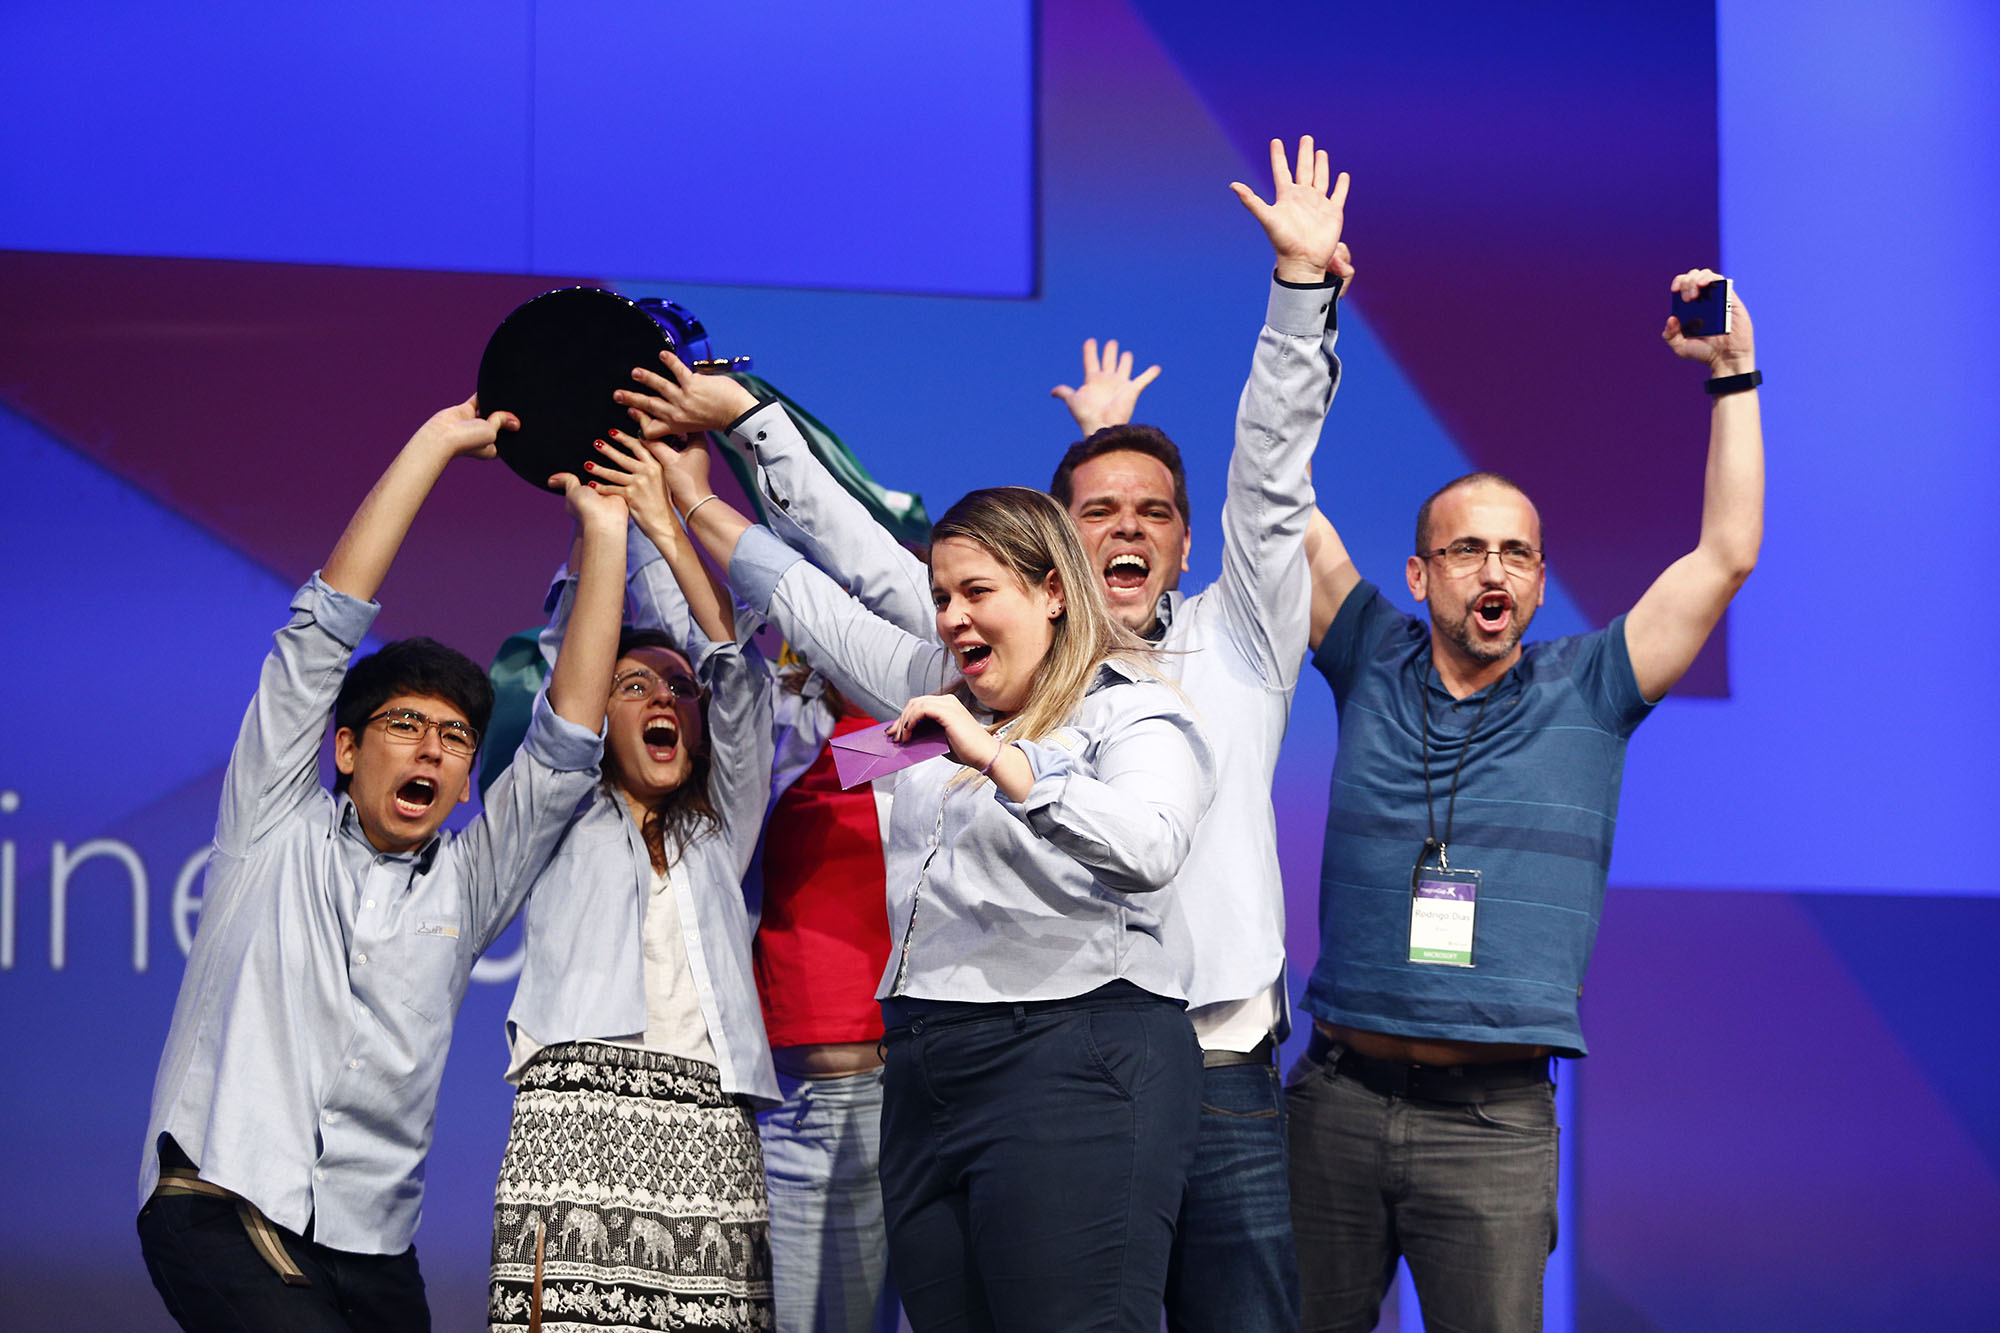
[
  {"x": 406, "y": 726},
  {"x": 640, "y": 683},
  {"x": 1462, "y": 557}
]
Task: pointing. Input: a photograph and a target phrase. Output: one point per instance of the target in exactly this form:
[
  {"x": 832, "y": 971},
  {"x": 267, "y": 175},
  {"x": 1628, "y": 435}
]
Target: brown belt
[{"x": 264, "y": 1237}]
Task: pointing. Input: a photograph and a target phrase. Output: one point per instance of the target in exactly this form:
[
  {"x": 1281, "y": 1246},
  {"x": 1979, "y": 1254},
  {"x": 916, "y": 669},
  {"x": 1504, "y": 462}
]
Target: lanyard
[{"x": 1432, "y": 843}]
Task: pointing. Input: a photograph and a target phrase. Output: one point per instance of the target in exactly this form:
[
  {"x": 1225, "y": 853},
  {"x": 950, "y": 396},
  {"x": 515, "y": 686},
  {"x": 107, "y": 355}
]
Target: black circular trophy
[{"x": 555, "y": 362}]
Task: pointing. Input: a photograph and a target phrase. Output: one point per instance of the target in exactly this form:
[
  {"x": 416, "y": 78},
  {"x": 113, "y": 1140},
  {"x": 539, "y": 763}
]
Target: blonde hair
[{"x": 1032, "y": 536}]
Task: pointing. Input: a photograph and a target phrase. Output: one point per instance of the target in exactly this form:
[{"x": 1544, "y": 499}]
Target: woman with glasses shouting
[{"x": 632, "y": 1191}]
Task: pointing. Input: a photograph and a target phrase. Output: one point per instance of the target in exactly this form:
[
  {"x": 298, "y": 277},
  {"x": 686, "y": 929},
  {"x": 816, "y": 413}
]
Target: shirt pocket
[{"x": 428, "y": 955}]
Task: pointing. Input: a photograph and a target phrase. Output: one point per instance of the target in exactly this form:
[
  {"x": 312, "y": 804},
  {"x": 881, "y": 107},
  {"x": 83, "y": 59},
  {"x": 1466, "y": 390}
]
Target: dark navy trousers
[
  {"x": 213, "y": 1280},
  {"x": 1034, "y": 1157}
]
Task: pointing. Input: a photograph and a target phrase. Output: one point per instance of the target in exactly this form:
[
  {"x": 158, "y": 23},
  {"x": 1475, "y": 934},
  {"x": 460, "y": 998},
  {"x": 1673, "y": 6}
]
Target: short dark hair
[
  {"x": 1148, "y": 440},
  {"x": 411, "y": 666},
  {"x": 1469, "y": 479},
  {"x": 672, "y": 823}
]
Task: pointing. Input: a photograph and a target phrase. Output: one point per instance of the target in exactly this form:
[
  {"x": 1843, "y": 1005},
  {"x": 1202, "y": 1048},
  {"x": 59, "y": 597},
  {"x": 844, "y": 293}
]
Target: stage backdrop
[{"x": 243, "y": 254}]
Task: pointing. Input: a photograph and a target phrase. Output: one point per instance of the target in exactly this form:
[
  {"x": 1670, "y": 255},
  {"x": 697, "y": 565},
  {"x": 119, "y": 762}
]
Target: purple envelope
[{"x": 861, "y": 756}]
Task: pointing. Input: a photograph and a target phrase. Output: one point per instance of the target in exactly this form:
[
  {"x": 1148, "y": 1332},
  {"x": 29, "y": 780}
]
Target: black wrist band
[{"x": 1733, "y": 383}]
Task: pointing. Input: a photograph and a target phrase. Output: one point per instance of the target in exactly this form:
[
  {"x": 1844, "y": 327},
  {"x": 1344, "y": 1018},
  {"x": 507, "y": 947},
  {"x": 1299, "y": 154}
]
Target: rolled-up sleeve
[
  {"x": 759, "y": 561},
  {"x": 274, "y": 765},
  {"x": 1127, "y": 807},
  {"x": 878, "y": 666},
  {"x": 528, "y": 807}
]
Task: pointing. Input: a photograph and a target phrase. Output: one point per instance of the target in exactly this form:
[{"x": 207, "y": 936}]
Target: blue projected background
[
  {"x": 244, "y": 252},
  {"x": 886, "y": 146}
]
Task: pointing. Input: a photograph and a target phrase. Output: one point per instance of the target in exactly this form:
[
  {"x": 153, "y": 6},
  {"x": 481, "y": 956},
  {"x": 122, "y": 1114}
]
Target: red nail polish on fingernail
[
  {"x": 598, "y": 443},
  {"x": 590, "y": 467}
]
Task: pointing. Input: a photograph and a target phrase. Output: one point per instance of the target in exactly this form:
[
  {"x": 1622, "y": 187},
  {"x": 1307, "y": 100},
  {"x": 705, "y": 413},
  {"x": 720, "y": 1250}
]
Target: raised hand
[
  {"x": 685, "y": 468},
  {"x": 1731, "y": 353},
  {"x": 590, "y": 505},
  {"x": 625, "y": 467},
  {"x": 1108, "y": 393},
  {"x": 682, "y": 402},
  {"x": 1304, "y": 218},
  {"x": 460, "y": 432}
]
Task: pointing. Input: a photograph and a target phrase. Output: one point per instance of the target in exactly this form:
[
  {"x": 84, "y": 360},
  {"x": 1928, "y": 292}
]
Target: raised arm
[
  {"x": 1673, "y": 619},
  {"x": 807, "y": 507},
  {"x": 1293, "y": 374},
  {"x": 1109, "y": 393},
  {"x": 1332, "y": 571},
  {"x": 879, "y": 666},
  {"x": 361, "y": 559},
  {"x": 580, "y": 681},
  {"x": 275, "y": 763},
  {"x": 630, "y": 469},
  {"x": 530, "y": 804}
]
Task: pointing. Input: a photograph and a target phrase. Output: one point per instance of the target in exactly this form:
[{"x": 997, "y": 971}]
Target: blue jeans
[
  {"x": 1466, "y": 1194},
  {"x": 1034, "y": 1157},
  {"x": 212, "y": 1278},
  {"x": 829, "y": 1244},
  {"x": 1234, "y": 1269}
]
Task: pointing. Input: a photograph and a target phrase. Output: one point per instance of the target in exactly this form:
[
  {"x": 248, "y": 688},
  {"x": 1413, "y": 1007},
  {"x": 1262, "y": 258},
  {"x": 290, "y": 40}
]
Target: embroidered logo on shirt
[
  {"x": 1064, "y": 738},
  {"x": 437, "y": 928}
]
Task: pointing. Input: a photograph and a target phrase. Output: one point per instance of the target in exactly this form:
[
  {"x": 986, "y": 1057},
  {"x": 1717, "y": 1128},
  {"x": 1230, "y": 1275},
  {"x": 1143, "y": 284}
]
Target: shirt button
[
  {"x": 354, "y": 1064},
  {"x": 332, "y": 1117},
  {"x": 369, "y": 903},
  {"x": 361, "y": 958},
  {"x": 319, "y": 1175}
]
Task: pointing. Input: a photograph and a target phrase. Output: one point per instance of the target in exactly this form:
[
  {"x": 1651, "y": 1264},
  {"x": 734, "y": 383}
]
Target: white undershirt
[
  {"x": 674, "y": 1021},
  {"x": 1238, "y": 1025}
]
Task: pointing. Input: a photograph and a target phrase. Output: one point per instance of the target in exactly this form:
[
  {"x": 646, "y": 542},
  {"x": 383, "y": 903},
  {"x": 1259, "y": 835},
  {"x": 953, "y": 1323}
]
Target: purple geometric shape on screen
[
  {"x": 262, "y": 400},
  {"x": 1527, "y": 179}
]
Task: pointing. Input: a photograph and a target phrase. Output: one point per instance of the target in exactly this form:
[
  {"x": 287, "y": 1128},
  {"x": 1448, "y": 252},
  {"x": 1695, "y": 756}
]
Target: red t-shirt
[{"x": 823, "y": 939}]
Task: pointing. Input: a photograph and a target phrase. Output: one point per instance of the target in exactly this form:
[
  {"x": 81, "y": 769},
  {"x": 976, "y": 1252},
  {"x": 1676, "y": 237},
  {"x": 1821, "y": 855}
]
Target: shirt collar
[
  {"x": 1163, "y": 616},
  {"x": 349, "y": 824}
]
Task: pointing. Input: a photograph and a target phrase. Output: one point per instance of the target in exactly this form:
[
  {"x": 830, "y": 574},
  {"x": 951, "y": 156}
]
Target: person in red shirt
[{"x": 822, "y": 942}]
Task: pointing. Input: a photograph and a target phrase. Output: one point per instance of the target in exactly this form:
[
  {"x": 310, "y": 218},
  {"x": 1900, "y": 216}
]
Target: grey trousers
[{"x": 1466, "y": 1194}]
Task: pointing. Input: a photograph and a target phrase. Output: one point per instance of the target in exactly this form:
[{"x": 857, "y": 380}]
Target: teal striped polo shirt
[{"x": 1537, "y": 807}]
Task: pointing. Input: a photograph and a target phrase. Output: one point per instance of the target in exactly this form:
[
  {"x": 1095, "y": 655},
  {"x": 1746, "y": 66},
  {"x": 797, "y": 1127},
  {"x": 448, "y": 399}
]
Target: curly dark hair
[{"x": 411, "y": 666}]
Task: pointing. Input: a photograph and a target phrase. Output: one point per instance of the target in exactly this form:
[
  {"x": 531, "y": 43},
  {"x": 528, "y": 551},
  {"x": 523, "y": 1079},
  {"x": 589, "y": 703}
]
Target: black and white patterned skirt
[{"x": 646, "y": 1183}]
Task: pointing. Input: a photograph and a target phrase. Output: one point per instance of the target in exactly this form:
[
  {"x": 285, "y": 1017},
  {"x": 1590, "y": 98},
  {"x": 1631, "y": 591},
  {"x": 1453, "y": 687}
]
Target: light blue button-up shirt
[
  {"x": 991, "y": 899},
  {"x": 584, "y": 975},
  {"x": 302, "y": 1067},
  {"x": 1235, "y": 647}
]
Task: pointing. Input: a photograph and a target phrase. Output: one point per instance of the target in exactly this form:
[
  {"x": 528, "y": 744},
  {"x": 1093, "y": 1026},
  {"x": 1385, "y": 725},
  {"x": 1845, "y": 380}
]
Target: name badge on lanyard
[
  {"x": 1443, "y": 904},
  {"x": 1443, "y": 901}
]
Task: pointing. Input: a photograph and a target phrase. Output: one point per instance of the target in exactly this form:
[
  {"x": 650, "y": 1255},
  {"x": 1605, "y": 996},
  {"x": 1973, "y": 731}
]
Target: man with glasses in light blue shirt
[{"x": 282, "y": 1177}]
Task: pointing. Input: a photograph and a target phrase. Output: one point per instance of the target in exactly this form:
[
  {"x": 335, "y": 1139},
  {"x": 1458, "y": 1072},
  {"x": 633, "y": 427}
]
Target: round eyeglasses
[
  {"x": 406, "y": 726},
  {"x": 639, "y": 683}
]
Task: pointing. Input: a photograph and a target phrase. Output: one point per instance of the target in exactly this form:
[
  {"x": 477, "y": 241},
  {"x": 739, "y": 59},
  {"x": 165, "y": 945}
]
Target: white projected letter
[{"x": 61, "y": 863}]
